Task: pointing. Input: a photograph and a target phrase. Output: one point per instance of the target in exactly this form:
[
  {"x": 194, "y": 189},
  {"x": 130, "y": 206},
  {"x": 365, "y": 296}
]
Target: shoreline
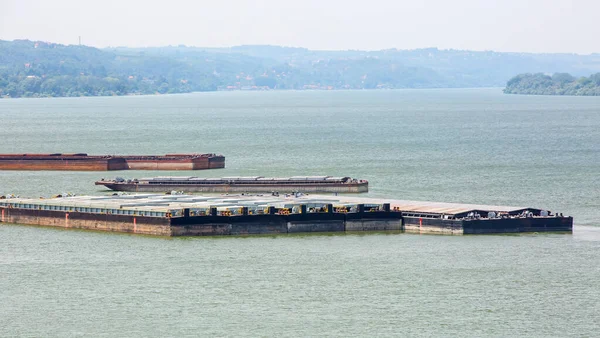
[{"x": 250, "y": 91}]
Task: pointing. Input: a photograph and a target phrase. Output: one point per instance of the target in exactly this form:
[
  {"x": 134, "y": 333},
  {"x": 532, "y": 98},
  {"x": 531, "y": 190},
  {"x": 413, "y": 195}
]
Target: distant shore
[
  {"x": 247, "y": 90},
  {"x": 557, "y": 84},
  {"x": 46, "y": 69}
]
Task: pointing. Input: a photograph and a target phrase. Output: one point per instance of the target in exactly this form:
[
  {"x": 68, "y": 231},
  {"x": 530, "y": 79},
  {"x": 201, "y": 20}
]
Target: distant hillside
[
  {"x": 34, "y": 69},
  {"x": 38, "y": 69},
  {"x": 557, "y": 84}
]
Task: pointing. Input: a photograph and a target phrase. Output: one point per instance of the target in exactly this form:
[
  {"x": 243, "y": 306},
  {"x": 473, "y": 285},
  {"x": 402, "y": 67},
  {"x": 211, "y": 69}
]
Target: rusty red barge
[{"x": 85, "y": 162}]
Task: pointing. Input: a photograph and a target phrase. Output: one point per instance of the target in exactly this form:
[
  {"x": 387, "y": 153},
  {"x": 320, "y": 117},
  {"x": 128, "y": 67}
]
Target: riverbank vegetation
[{"x": 557, "y": 84}]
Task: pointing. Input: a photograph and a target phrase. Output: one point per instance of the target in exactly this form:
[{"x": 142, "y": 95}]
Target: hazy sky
[{"x": 500, "y": 25}]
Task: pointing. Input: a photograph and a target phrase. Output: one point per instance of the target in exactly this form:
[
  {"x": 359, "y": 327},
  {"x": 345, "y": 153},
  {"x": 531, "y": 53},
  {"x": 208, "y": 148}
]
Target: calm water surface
[{"x": 476, "y": 146}]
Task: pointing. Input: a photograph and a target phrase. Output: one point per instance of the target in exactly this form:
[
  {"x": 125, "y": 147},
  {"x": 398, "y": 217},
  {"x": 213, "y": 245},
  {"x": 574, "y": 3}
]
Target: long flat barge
[
  {"x": 85, "y": 162},
  {"x": 247, "y": 184},
  {"x": 192, "y": 215}
]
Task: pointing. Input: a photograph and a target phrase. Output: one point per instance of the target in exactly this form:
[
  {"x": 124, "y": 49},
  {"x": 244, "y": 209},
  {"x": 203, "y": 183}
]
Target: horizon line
[{"x": 304, "y": 48}]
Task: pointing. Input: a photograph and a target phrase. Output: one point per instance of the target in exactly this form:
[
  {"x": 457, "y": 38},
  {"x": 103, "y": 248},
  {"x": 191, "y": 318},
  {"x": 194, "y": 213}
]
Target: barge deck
[
  {"x": 192, "y": 215},
  {"x": 236, "y": 184}
]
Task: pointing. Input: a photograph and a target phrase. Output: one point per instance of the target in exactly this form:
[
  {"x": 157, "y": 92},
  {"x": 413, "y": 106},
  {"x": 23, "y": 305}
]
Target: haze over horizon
[{"x": 505, "y": 26}]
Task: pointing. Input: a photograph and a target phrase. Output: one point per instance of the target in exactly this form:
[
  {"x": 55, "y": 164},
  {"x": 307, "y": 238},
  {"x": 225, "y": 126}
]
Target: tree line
[{"x": 557, "y": 84}]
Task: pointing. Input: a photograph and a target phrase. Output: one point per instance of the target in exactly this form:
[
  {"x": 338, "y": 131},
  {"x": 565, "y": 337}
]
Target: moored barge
[
  {"x": 237, "y": 184},
  {"x": 192, "y": 215},
  {"x": 85, "y": 162}
]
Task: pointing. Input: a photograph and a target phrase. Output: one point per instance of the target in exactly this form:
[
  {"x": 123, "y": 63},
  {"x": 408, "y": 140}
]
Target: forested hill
[
  {"x": 40, "y": 69},
  {"x": 557, "y": 84}
]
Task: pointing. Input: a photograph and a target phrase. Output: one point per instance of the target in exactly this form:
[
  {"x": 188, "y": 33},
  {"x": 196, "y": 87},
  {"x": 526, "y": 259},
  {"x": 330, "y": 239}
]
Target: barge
[
  {"x": 85, "y": 162},
  {"x": 192, "y": 215},
  {"x": 249, "y": 184}
]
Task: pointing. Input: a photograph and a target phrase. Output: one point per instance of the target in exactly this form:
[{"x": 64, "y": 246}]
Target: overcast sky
[{"x": 500, "y": 25}]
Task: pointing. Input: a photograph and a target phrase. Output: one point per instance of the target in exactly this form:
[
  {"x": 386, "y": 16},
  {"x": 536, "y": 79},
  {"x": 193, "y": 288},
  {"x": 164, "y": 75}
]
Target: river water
[{"x": 463, "y": 145}]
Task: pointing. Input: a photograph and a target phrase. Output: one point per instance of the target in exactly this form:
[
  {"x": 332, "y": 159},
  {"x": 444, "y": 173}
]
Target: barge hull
[
  {"x": 487, "y": 226},
  {"x": 84, "y": 162},
  {"x": 199, "y": 163},
  {"x": 247, "y": 188},
  {"x": 100, "y": 222},
  {"x": 279, "y": 224},
  {"x": 101, "y": 164}
]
